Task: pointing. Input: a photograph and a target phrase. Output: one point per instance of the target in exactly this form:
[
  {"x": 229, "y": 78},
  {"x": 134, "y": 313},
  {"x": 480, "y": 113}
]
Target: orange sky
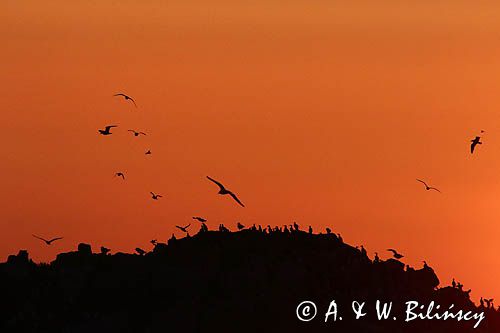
[{"x": 323, "y": 112}]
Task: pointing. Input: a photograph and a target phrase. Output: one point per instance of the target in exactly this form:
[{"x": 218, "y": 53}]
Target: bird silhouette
[
  {"x": 107, "y": 130},
  {"x": 223, "y": 191},
  {"x": 155, "y": 196},
  {"x": 474, "y": 143},
  {"x": 48, "y": 242},
  {"x": 396, "y": 254},
  {"x": 127, "y": 98},
  {"x": 148, "y": 152},
  {"x": 120, "y": 174},
  {"x": 427, "y": 187},
  {"x": 201, "y": 219},
  {"x": 183, "y": 228},
  {"x": 240, "y": 226},
  {"x": 136, "y": 133}
]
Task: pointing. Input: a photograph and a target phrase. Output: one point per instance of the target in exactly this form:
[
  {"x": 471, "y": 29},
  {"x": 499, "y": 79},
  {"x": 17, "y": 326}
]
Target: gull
[
  {"x": 201, "y": 219},
  {"x": 120, "y": 174},
  {"x": 155, "y": 196},
  {"x": 474, "y": 143},
  {"x": 106, "y": 130},
  {"x": 126, "y": 98},
  {"x": 396, "y": 254},
  {"x": 183, "y": 228},
  {"x": 223, "y": 191},
  {"x": 427, "y": 187},
  {"x": 136, "y": 133},
  {"x": 148, "y": 152},
  {"x": 48, "y": 242},
  {"x": 240, "y": 226}
]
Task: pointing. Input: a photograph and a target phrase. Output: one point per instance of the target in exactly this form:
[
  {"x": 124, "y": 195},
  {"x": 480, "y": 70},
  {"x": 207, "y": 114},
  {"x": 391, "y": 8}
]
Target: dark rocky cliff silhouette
[{"x": 219, "y": 281}]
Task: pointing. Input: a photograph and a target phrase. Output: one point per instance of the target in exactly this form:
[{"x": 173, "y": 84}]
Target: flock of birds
[
  {"x": 107, "y": 131},
  {"x": 222, "y": 189}
]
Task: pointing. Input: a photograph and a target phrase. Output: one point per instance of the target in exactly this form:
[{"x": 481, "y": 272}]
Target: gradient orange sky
[{"x": 320, "y": 112}]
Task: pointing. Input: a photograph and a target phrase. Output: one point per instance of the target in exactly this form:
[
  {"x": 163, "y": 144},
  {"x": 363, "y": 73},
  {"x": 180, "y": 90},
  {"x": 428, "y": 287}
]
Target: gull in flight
[
  {"x": 106, "y": 130},
  {"x": 155, "y": 196},
  {"x": 126, "y": 98},
  {"x": 427, "y": 187},
  {"x": 120, "y": 174},
  {"x": 201, "y": 219},
  {"x": 48, "y": 242},
  {"x": 474, "y": 143},
  {"x": 396, "y": 254},
  {"x": 136, "y": 133},
  {"x": 183, "y": 228},
  {"x": 223, "y": 191}
]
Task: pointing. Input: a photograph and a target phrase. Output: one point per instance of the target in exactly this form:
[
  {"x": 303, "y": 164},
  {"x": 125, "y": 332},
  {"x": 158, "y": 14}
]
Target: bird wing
[
  {"x": 110, "y": 127},
  {"x": 132, "y": 101},
  {"x": 216, "y": 182},
  {"x": 39, "y": 238},
  {"x": 393, "y": 251},
  {"x": 54, "y": 239},
  {"x": 181, "y": 228},
  {"x": 130, "y": 131},
  {"x": 418, "y": 180},
  {"x": 472, "y": 146},
  {"x": 236, "y": 198},
  {"x": 187, "y": 226},
  {"x": 119, "y": 94},
  {"x": 123, "y": 176},
  {"x": 152, "y": 194},
  {"x": 435, "y": 189},
  {"x": 142, "y": 133}
]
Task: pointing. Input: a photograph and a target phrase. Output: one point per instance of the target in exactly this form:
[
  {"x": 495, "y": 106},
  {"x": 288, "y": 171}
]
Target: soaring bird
[
  {"x": 396, "y": 254},
  {"x": 155, "y": 196},
  {"x": 474, "y": 143},
  {"x": 201, "y": 219},
  {"x": 136, "y": 133},
  {"x": 240, "y": 226},
  {"x": 148, "y": 152},
  {"x": 106, "y": 130},
  {"x": 223, "y": 191},
  {"x": 120, "y": 174},
  {"x": 183, "y": 228},
  {"x": 126, "y": 98},
  {"x": 427, "y": 187},
  {"x": 48, "y": 242}
]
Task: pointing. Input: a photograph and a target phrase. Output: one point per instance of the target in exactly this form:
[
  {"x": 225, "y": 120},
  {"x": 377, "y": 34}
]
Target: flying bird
[
  {"x": 201, "y": 219},
  {"x": 183, "y": 228},
  {"x": 136, "y": 133},
  {"x": 427, "y": 187},
  {"x": 48, "y": 242},
  {"x": 106, "y": 130},
  {"x": 155, "y": 196},
  {"x": 148, "y": 152},
  {"x": 223, "y": 191},
  {"x": 120, "y": 174},
  {"x": 396, "y": 254},
  {"x": 474, "y": 143},
  {"x": 126, "y": 98},
  {"x": 240, "y": 226}
]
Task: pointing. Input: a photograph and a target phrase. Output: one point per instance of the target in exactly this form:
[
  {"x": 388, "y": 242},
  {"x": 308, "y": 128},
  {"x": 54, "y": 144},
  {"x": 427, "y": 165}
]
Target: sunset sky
[{"x": 320, "y": 112}]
